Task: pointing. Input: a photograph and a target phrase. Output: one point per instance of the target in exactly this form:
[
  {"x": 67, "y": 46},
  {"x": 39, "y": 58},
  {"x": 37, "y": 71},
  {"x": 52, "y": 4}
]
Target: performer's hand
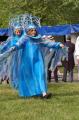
[{"x": 61, "y": 45}]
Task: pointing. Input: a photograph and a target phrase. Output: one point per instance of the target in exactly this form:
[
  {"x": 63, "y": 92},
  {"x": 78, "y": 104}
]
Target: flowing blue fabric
[
  {"x": 28, "y": 67},
  {"x": 2, "y": 68},
  {"x": 60, "y": 54},
  {"x": 49, "y": 30},
  {"x": 32, "y": 78},
  {"x": 3, "y": 64},
  {"x": 10, "y": 60}
]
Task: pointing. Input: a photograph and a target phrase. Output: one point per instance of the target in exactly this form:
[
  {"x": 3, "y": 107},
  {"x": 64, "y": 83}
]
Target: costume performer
[
  {"x": 31, "y": 70},
  {"x": 10, "y": 64}
]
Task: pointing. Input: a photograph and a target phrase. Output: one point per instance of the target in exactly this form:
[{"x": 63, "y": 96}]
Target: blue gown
[
  {"x": 32, "y": 78},
  {"x": 11, "y": 63},
  {"x": 31, "y": 68},
  {"x": 3, "y": 66}
]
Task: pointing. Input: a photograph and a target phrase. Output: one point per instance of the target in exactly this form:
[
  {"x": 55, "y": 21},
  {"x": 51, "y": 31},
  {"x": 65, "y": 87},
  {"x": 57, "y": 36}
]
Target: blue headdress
[
  {"x": 30, "y": 22},
  {"x": 14, "y": 24},
  {"x": 28, "y": 19},
  {"x": 31, "y": 26},
  {"x": 24, "y": 21}
]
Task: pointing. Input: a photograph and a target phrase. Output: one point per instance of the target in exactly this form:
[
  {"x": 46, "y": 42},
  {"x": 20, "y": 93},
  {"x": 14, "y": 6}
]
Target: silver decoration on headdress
[{"x": 24, "y": 20}]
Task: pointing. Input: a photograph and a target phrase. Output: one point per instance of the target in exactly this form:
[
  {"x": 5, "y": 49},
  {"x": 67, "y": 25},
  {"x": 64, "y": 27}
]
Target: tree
[{"x": 51, "y": 12}]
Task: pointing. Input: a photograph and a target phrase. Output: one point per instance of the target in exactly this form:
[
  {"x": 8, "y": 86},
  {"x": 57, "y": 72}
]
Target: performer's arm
[
  {"x": 20, "y": 43},
  {"x": 5, "y": 45},
  {"x": 50, "y": 44}
]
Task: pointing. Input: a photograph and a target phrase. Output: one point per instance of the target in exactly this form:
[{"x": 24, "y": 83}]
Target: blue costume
[
  {"x": 11, "y": 61},
  {"x": 29, "y": 68}
]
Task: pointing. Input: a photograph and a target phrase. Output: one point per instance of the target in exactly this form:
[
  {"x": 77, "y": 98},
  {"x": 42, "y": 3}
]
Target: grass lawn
[{"x": 64, "y": 104}]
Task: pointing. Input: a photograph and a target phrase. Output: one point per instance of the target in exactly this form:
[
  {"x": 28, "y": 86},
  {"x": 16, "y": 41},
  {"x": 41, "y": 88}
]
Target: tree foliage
[{"x": 51, "y": 12}]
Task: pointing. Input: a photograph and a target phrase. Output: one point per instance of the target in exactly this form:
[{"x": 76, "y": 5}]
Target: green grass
[{"x": 64, "y": 104}]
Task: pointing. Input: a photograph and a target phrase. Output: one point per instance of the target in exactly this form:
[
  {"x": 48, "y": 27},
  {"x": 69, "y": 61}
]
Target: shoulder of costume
[
  {"x": 9, "y": 38},
  {"x": 25, "y": 37}
]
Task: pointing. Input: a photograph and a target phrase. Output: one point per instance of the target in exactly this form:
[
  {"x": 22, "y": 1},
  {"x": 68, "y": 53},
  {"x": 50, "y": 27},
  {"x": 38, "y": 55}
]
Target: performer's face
[
  {"x": 18, "y": 32},
  {"x": 32, "y": 32}
]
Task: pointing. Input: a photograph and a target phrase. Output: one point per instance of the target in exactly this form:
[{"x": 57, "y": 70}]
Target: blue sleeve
[
  {"x": 6, "y": 45},
  {"x": 20, "y": 43},
  {"x": 16, "y": 46},
  {"x": 7, "y": 52},
  {"x": 49, "y": 44}
]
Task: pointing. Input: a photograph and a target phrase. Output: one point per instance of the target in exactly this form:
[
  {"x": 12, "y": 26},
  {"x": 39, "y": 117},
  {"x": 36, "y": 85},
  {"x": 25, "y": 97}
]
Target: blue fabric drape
[
  {"x": 59, "y": 29},
  {"x": 49, "y": 30}
]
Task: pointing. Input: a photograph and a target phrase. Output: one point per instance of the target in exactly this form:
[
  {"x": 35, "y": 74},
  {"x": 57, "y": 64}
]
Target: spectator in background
[{"x": 69, "y": 65}]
